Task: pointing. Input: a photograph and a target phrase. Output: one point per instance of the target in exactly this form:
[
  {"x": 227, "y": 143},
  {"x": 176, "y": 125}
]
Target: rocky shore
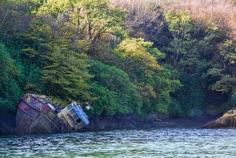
[
  {"x": 135, "y": 122},
  {"x": 128, "y": 121},
  {"x": 227, "y": 120}
]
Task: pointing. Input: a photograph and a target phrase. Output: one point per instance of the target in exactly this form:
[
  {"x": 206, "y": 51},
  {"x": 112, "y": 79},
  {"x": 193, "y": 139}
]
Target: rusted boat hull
[{"x": 35, "y": 115}]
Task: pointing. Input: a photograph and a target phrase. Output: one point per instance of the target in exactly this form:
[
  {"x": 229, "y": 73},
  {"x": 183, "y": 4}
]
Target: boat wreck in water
[{"x": 37, "y": 115}]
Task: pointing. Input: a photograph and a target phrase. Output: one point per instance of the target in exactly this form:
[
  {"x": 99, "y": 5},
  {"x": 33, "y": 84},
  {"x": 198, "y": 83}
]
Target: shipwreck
[{"x": 37, "y": 115}]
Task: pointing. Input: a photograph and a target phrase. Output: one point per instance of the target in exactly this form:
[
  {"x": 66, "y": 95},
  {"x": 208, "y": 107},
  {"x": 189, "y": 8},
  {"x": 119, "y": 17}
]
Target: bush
[
  {"x": 9, "y": 86},
  {"x": 114, "y": 91}
]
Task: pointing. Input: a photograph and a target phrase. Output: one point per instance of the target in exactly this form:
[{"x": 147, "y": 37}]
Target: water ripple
[{"x": 125, "y": 143}]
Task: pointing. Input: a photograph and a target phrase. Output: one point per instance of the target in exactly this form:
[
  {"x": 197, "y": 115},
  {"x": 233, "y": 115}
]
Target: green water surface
[{"x": 166, "y": 142}]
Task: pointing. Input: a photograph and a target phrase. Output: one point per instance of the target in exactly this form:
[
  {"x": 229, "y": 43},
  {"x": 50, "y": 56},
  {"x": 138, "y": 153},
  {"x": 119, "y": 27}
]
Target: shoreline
[
  {"x": 112, "y": 123},
  {"x": 119, "y": 122}
]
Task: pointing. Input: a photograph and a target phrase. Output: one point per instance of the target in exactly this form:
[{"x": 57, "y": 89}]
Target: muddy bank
[{"x": 129, "y": 121}]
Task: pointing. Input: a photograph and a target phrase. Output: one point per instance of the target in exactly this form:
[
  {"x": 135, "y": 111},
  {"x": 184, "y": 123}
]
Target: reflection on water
[{"x": 133, "y": 143}]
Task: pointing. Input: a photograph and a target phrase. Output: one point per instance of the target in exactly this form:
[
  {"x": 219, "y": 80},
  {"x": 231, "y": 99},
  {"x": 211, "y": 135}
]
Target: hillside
[{"x": 172, "y": 58}]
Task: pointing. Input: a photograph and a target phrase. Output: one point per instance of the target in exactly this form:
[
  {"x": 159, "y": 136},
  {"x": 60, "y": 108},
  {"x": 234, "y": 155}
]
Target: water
[{"x": 122, "y": 144}]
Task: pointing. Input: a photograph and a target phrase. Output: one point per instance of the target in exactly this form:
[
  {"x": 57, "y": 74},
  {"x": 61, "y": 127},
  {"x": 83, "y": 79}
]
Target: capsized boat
[{"x": 37, "y": 115}]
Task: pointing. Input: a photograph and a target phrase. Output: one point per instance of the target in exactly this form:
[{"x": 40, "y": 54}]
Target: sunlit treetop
[{"x": 139, "y": 51}]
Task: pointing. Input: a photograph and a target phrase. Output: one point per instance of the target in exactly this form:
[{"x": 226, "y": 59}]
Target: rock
[
  {"x": 228, "y": 120},
  {"x": 123, "y": 121}
]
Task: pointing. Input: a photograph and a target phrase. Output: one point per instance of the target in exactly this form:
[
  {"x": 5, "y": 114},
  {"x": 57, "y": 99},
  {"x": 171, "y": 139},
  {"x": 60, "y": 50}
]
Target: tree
[
  {"x": 155, "y": 82},
  {"x": 186, "y": 53},
  {"x": 10, "y": 90},
  {"x": 146, "y": 20},
  {"x": 114, "y": 91},
  {"x": 87, "y": 22},
  {"x": 139, "y": 58},
  {"x": 65, "y": 74},
  {"x": 181, "y": 26},
  {"x": 15, "y": 19},
  {"x": 97, "y": 19},
  {"x": 228, "y": 53}
]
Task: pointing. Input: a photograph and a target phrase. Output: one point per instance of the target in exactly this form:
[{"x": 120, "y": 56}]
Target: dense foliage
[
  {"x": 9, "y": 85},
  {"x": 122, "y": 61}
]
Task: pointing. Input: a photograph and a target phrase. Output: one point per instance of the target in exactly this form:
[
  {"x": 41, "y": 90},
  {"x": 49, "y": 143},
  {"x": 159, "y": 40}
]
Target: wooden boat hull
[
  {"x": 35, "y": 115},
  {"x": 36, "y": 119}
]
